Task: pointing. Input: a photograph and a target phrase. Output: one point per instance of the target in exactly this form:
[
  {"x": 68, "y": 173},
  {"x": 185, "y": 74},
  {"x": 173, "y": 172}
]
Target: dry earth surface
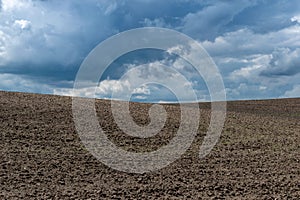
[{"x": 42, "y": 157}]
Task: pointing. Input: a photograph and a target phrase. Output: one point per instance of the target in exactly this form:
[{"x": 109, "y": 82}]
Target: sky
[{"x": 254, "y": 43}]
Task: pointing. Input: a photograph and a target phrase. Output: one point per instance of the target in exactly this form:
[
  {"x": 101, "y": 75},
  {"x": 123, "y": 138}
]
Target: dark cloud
[
  {"x": 133, "y": 13},
  {"x": 51, "y": 71},
  {"x": 221, "y": 17},
  {"x": 46, "y": 41},
  {"x": 264, "y": 17},
  {"x": 71, "y": 29},
  {"x": 213, "y": 20}
]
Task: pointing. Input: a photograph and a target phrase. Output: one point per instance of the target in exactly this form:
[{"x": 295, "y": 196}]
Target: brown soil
[{"x": 42, "y": 157}]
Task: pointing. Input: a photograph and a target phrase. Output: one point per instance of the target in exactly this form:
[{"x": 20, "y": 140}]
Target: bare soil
[{"x": 42, "y": 157}]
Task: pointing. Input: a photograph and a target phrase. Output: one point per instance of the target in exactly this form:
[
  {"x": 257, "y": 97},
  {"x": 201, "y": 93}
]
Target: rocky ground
[{"x": 42, "y": 157}]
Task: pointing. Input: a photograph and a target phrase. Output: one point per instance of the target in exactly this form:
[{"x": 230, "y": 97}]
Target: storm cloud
[{"x": 255, "y": 43}]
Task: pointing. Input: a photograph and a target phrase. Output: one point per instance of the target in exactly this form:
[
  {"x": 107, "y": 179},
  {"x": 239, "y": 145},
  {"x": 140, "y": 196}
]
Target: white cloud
[
  {"x": 245, "y": 42},
  {"x": 115, "y": 86},
  {"x": 83, "y": 92},
  {"x": 10, "y": 5},
  {"x": 262, "y": 87},
  {"x": 252, "y": 67},
  {"x": 111, "y": 8},
  {"x": 152, "y": 81},
  {"x": 23, "y": 84},
  {"x": 294, "y": 93},
  {"x": 158, "y": 22},
  {"x": 142, "y": 78},
  {"x": 296, "y": 19},
  {"x": 246, "y": 72},
  {"x": 3, "y": 38},
  {"x": 257, "y": 65},
  {"x": 23, "y": 24},
  {"x": 142, "y": 90},
  {"x": 284, "y": 61}
]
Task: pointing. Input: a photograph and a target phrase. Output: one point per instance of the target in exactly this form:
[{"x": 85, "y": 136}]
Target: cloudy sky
[{"x": 254, "y": 43}]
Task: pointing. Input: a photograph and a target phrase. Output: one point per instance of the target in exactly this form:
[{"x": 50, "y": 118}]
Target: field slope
[{"x": 257, "y": 156}]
